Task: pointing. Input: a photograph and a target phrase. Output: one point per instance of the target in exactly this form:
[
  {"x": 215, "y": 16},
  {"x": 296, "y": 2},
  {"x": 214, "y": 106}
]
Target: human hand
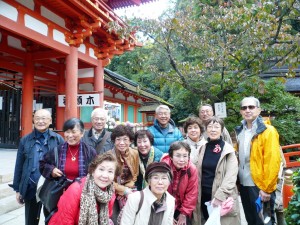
[
  {"x": 56, "y": 172},
  {"x": 128, "y": 191},
  {"x": 265, "y": 197},
  {"x": 19, "y": 198},
  {"x": 216, "y": 202},
  {"x": 174, "y": 222},
  {"x": 181, "y": 219}
]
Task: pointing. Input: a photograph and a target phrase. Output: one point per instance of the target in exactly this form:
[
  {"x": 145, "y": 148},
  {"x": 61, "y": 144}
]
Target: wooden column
[
  {"x": 71, "y": 83},
  {"x": 60, "y": 111},
  {"x": 27, "y": 96},
  {"x": 99, "y": 81}
]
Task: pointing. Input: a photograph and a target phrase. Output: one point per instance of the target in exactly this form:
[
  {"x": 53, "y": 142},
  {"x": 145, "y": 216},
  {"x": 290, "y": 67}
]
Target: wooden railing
[{"x": 292, "y": 158}]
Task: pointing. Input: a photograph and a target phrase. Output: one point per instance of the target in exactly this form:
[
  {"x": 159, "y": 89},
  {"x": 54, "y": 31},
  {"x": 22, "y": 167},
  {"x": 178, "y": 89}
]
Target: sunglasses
[{"x": 248, "y": 106}]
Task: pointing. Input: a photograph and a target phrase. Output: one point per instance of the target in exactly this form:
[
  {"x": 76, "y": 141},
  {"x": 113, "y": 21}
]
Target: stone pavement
[{"x": 16, "y": 216}]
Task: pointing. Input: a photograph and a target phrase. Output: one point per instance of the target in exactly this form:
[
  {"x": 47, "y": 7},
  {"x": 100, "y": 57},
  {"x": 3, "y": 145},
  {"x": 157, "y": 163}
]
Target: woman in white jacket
[{"x": 155, "y": 206}]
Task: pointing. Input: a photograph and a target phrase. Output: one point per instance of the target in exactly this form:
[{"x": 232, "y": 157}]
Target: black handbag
[{"x": 51, "y": 190}]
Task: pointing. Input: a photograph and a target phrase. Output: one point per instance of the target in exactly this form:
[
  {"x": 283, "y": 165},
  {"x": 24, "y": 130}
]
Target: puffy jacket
[
  {"x": 161, "y": 141},
  {"x": 265, "y": 156},
  {"x": 186, "y": 180},
  {"x": 69, "y": 205},
  {"x": 25, "y": 159}
]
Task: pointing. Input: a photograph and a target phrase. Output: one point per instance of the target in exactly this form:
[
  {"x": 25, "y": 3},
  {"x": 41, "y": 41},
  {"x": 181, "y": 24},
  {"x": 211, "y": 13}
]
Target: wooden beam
[{"x": 41, "y": 55}]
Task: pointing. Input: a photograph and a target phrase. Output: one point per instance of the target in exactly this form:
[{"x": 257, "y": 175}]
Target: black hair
[{"x": 70, "y": 124}]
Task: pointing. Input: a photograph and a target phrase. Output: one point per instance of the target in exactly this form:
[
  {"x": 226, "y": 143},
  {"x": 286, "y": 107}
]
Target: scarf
[
  {"x": 81, "y": 159},
  {"x": 91, "y": 194},
  {"x": 142, "y": 168}
]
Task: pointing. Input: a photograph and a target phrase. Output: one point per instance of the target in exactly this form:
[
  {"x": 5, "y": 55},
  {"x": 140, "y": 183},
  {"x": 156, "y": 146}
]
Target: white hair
[
  {"x": 251, "y": 98},
  {"x": 162, "y": 107},
  {"x": 100, "y": 111}
]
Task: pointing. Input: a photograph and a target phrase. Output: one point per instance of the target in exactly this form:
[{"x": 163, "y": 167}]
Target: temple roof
[{"x": 117, "y": 4}]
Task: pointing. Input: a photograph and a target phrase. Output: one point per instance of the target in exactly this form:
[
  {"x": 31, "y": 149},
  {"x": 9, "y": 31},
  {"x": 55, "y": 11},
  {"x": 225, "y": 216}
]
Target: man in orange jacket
[{"x": 259, "y": 160}]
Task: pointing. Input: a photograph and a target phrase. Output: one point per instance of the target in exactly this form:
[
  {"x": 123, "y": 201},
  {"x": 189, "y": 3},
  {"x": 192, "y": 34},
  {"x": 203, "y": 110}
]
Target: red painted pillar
[
  {"x": 60, "y": 111},
  {"x": 27, "y": 96},
  {"x": 99, "y": 81},
  {"x": 71, "y": 83}
]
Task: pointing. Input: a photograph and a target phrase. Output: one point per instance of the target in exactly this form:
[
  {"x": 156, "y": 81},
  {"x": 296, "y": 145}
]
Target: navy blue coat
[{"x": 25, "y": 159}]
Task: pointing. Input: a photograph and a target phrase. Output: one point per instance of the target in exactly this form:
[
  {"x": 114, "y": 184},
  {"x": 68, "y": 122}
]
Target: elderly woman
[
  {"x": 153, "y": 205},
  {"x": 218, "y": 168},
  {"x": 89, "y": 200},
  {"x": 144, "y": 140},
  {"x": 73, "y": 157},
  {"x": 194, "y": 129},
  {"x": 128, "y": 161},
  {"x": 184, "y": 186}
]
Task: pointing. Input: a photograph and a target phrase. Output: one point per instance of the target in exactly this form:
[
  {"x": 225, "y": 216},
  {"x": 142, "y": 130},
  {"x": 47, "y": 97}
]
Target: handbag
[{"x": 51, "y": 190}]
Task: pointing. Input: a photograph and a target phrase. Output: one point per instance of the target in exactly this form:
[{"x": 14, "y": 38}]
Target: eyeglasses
[
  {"x": 181, "y": 156},
  {"x": 43, "y": 119},
  {"x": 163, "y": 179},
  {"x": 97, "y": 119},
  {"x": 163, "y": 113},
  {"x": 122, "y": 139},
  {"x": 251, "y": 107}
]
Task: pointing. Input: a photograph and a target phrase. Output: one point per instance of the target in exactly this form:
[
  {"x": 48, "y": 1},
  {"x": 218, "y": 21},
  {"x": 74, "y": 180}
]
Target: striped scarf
[{"x": 81, "y": 158}]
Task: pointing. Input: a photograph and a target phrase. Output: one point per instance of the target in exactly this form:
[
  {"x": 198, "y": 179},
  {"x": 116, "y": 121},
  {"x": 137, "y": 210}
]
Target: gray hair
[
  {"x": 251, "y": 98},
  {"x": 162, "y": 107},
  {"x": 100, "y": 111}
]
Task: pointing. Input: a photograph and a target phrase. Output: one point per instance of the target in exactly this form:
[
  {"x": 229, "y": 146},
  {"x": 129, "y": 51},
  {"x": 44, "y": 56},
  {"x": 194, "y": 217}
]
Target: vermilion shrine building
[{"x": 52, "y": 48}]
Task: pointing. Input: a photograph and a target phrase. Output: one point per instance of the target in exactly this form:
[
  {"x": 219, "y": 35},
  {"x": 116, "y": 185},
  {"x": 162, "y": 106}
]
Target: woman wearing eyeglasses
[
  {"x": 218, "y": 168},
  {"x": 128, "y": 161},
  {"x": 153, "y": 205},
  {"x": 184, "y": 186}
]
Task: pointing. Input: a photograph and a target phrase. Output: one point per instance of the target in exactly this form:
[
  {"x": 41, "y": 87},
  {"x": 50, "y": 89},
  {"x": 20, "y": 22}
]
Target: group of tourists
[{"x": 156, "y": 176}]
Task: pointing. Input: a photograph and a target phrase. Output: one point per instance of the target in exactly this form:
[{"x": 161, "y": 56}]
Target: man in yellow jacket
[{"x": 259, "y": 159}]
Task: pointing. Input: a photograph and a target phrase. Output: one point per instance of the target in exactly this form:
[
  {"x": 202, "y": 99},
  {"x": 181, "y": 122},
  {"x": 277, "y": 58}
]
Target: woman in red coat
[
  {"x": 89, "y": 200},
  {"x": 184, "y": 186}
]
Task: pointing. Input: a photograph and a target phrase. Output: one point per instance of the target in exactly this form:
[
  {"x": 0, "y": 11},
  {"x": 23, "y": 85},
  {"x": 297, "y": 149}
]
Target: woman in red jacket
[
  {"x": 89, "y": 200},
  {"x": 184, "y": 186}
]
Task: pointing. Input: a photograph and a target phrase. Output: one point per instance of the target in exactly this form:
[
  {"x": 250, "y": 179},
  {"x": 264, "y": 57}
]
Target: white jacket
[{"x": 129, "y": 216}]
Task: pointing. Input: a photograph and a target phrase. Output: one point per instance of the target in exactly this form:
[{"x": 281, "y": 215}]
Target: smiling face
[
  {"x": 214, "y": 130},
  {"x": 98, "y": 121},
  {"x": 122, "y": 143},
  {"x": 73, "y": 136},
  {"x": 42, "y": 120},
  {"x": 104, "y": 173},
  {"x": 159, "y": 183},
  {"x": 249, "y": 114},
  {"x": 180, "y": 158},
  {"x": 194, "y": 132},
  {"x": 205, "y": 113},
  {"x": 143, "y": 145},
  {"x": 163, "y": 117}
]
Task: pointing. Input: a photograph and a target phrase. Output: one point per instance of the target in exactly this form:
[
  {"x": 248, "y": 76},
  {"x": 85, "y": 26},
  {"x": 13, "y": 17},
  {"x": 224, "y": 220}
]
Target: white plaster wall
[
  {"x": 89, "y": 72},
  {"x": 53, "y": 17},
  {"x": 139, "y": 101},
  {"x": 92, "y": 53},
  {"x": 8, "y": 11},
  {"x": 59, "y": 37},
  {"x": 15, "y": 43},
  {"x": 92, "y": 41},
  {"x": 36, "y": 25},
  {"x": 82, "y": 48},
  {"x": 27, "y": 3},
  {"x": 120, "y": 96},
  {"x": 130, "y": 99},
  {"x": 86, "y": 87},
  {"x": 107, "y": 93}
]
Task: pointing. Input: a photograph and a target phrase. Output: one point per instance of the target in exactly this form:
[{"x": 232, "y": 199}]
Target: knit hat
[{"x": 158, "y": 167}]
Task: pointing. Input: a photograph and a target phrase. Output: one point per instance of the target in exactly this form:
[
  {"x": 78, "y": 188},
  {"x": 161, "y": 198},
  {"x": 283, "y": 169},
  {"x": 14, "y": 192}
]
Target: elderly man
[
  {"x": 98, "y": 137},
  {"x": 31, "y": 149},
  {"x": 259, "y": 157},
  {"x": 205, "y": 113},
  {"x": 164, "y": 130}
]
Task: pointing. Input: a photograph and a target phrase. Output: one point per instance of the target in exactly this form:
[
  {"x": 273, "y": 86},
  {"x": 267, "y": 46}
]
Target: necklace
[{"x": 73, "y": 156}]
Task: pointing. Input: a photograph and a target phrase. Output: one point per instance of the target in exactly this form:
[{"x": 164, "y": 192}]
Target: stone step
[
  {"x": 8, "y": 177},
  {"x": 6, "y": 191},
  {"x": 8, "y": 204}
]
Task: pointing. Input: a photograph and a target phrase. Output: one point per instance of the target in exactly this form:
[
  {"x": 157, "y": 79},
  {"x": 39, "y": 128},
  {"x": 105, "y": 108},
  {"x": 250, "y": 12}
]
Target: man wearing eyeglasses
[
  {"x": 164, "y": 130},
  {"x": 98, "y": 137},
  {"x": 259, "y": 160},
  {"x": 205, "y": 113},
  {"x": 31, "y": 149}
]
